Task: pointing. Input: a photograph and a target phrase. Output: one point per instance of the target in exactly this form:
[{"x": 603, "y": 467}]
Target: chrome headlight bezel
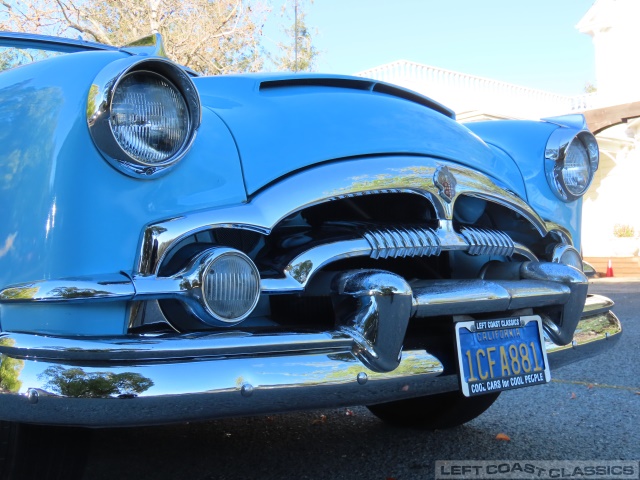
[
  {"x": 561, "y": 141},
  {"x": 99, "y": 112},
  {"x": 567, "y": 255}
]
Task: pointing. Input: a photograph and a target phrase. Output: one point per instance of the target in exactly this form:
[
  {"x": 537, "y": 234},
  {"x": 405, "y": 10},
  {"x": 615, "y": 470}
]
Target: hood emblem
[{"x": 446, "y": 183}]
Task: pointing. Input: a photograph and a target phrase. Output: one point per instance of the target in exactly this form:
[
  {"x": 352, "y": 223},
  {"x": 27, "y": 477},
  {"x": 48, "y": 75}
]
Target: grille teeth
[
  {"x": 488, "y": 242},
  {"x": 402, "y": 242}
]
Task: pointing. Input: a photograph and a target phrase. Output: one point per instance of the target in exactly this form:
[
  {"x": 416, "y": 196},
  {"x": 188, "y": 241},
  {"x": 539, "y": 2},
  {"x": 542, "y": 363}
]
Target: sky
[{"x": 532, "y": 43}]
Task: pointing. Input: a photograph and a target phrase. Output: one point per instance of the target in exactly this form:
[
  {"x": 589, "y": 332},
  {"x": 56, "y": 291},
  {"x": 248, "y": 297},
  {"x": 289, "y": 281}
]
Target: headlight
[
  {"x": 149, "y": 118},
  {"x": 571, "y": 161},
  {"x": 576, "y": 171},
  {"x": 143, "y": 115}
]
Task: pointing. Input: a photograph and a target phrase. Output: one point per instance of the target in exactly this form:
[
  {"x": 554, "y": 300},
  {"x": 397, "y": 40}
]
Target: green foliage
[
  {"x": 10, "y": 369},
  {"x": 623, "y": 231},
  {"x": 75, "y": 382}
]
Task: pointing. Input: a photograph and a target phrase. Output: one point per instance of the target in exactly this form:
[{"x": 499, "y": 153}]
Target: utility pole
[{"x": 295, "y": 45}]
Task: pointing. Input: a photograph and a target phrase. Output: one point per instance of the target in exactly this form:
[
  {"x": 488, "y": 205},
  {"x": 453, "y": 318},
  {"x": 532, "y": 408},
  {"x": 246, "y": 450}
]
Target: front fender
[
  {"x": 65, "y": 211},
  {"x": 525, "y": 142}
]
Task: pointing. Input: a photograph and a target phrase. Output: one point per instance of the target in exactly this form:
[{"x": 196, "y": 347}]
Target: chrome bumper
[{"x": 153, "y": 380}]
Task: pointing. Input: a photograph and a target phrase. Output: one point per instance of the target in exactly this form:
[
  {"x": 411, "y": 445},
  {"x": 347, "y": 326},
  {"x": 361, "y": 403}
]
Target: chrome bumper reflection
[{"x": 194, "y": 377}]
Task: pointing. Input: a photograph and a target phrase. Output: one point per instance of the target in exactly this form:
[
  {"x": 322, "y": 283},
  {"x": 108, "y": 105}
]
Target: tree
[
  {"x": 75, "y": 382},
  {"x": 297, "y": 53},
  {"x": 590, "y": 88},
  {"x": 10, "y": 369},
  {"x": 211, "y": 37}
]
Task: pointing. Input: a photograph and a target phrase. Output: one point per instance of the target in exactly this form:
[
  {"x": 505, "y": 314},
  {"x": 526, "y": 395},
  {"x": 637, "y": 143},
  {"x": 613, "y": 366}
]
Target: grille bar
[
  {"x": 402, "y": 242},
  {"x": 488, "y": 242}
]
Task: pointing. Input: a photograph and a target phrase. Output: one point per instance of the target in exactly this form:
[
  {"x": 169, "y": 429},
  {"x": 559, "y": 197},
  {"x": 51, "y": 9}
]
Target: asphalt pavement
[{"x": 589, "y": 411}]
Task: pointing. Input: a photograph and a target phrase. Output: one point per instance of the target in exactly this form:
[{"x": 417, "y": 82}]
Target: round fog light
[
  {"x": 230, "y": 286},
  {"x": 567, "y": 255}
]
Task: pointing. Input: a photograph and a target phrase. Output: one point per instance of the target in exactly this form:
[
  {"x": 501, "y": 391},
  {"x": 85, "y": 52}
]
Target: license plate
[{"x": 501, "y": 354}]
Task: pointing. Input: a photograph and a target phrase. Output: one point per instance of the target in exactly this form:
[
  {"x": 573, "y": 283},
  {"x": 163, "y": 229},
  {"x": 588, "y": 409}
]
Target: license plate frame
[{"x": 485, "y": 346}]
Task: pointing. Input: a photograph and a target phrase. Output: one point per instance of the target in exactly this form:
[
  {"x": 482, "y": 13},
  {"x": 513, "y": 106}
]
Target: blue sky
[{"x": 533, "y": 43}]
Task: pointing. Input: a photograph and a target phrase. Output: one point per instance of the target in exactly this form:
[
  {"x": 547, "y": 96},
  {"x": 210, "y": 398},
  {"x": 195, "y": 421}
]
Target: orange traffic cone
[{"x": 609, "y": 269}]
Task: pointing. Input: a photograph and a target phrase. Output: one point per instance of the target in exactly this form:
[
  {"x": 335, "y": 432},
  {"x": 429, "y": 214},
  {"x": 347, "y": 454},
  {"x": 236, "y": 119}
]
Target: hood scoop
[{"x": 357, "y": 84}]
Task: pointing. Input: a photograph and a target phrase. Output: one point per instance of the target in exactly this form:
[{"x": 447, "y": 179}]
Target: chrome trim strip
[
  {"x": 307, "y": 264},
  {"x": 525, "y": 252},
  {"x": 244, "y": 384},
  {"x": 328, "y": 182},
  {"x": 141, "y": 349},
  {"x": 521, "y": 207},
  {"x": 115, "y": 287},
  {"x": 562, "y": 234}
]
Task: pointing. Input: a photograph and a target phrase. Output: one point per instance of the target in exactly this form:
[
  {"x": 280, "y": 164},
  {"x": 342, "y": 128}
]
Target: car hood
[{"x": 284, "y": 123}]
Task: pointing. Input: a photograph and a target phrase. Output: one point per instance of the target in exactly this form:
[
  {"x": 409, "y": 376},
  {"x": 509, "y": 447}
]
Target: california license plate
[{"x": 501, "y": 354}]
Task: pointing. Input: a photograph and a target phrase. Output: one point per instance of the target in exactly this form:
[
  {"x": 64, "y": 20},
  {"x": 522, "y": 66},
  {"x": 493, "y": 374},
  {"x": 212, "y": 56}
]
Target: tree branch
[{"x": 99, "y": 36}]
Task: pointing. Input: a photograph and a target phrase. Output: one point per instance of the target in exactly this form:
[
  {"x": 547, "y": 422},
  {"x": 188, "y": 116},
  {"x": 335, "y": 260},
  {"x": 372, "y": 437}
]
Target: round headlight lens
[
  {"x": 231, "y": 286},
  {"x": 571, "y": 161},
  {"x": 143, "y": 114},
  {"x": 576, "y": 171},
  {"x": 149, "y": 117}
]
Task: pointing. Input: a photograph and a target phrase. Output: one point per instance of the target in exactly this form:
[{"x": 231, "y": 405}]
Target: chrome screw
[
  {"x": 246, "y": 390},
  {"x": 33, "y": 396}
]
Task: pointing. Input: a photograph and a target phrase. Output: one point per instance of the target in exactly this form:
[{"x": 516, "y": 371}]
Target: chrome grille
[
  {"x": 380, "y": 191},
  {"x": 402, "y": 242},
  {"x": 487, "y": 242}
]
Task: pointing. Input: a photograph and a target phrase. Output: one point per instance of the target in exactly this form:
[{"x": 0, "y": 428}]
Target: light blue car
[{"x": 178, "y": 248}]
